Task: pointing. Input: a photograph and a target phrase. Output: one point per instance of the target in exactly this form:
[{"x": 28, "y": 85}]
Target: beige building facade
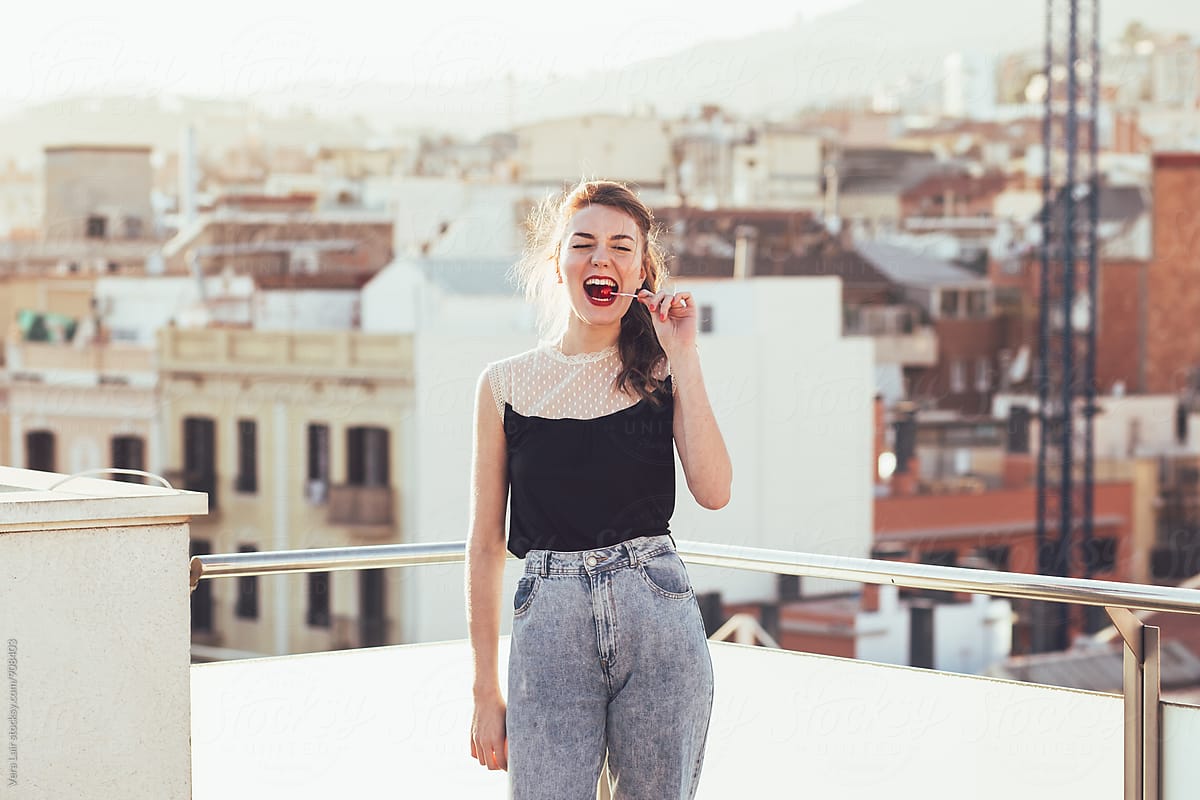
[
  {"x": 77, "y": 408},
  {"x": 780, "y": 168},
  {"x": 21, "y": 380},
  {"x": 98, "y": 192},
  {"x": 297, "y": 438}
]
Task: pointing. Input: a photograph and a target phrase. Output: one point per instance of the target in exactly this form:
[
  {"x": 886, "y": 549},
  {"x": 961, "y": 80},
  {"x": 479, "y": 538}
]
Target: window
[
  {"x": 851, "y": 319},
  {"x": 1133, "y": 440},
  {"x": 247, "y": 596},
  {"x": 706, "y": 318},
  {"x": 983, "y": 374},
  {"x": 977, "y": 303},
  {"x": 372, "y": 607},
  {"x": 940, "y": 558},
  {"x": 949, "y": 302},
  {"x": 133, "y": 227},
  {"x": 1018, "y": 429},
  {"x": 995, "y": 554},
  {"x": 904, "y": 440},
  {"x": 958, "y": 376},
  {"x": 367, "y": 456},
  {"x": 128, "y": 452},
  {"x": 316, "y": 489},
  {"x": 202, "y": 597},
  {"x": 96, "y": 226},
  {"x": 39, "y": 450},
  {"x": 200, "y": 457},
  {"x": 318, "y": 599},
  {"x": 247, "y": 477}
]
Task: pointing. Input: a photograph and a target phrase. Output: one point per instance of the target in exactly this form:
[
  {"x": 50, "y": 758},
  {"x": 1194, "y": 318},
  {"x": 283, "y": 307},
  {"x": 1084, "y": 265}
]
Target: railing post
[{"x": 1143, "y": 711}]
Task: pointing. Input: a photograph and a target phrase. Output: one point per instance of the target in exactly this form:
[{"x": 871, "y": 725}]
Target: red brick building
[
  {"x": 1172, "y": 301},
  {"x": 1146, "y": 336},
  {"x": 1000, "y": 526}
]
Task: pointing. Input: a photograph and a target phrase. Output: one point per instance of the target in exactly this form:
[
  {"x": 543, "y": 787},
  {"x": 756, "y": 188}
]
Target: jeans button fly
[{"x": 591, "y": 561}]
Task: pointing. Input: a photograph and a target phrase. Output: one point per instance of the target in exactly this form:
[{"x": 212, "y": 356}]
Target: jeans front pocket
[
  {"x": 667, "y": 576},
  {"x": 523, "y": 597}
]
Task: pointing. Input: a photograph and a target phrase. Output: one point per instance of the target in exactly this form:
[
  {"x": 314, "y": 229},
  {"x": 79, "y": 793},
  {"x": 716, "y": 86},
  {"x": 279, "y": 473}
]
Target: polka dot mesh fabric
[{"x": 544, "y": 382}]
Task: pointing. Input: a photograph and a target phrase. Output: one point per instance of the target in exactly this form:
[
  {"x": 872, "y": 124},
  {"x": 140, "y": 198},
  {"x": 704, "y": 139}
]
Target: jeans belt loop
[
  {"x": 634, "y": 555},
  {"x": 545, "y": 563}
]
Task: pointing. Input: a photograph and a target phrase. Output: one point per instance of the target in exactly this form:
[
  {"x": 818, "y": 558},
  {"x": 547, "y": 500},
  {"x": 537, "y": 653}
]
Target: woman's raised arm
[
  {"x": 702, "y": 451},
  {"x": 701, "y": 447}
]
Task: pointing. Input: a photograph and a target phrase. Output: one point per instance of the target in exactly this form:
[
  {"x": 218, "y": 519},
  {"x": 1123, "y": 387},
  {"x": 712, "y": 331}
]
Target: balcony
[
  {"x": 111, "y": 361},
  {"x": 898, "y": 335},
  {"x": 118, "y": 714},
  {"x": 916, "y": 349},
  {"x": 363, "y": 507},
  {"x": 336, "y": 355}
]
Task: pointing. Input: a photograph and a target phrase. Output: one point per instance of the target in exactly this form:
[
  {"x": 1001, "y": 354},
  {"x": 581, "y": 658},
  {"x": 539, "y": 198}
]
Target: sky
[{"x": 229, "y": 48}]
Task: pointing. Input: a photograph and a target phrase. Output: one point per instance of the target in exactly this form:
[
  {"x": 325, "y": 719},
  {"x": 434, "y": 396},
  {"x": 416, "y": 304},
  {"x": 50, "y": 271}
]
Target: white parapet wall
[{"x": 94, "y": 625}]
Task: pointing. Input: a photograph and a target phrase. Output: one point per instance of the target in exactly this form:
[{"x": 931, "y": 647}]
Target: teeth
[{"x": 600, "y": 282}]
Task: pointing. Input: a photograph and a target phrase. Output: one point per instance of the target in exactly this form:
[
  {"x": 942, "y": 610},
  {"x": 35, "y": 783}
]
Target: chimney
[
  {"x": 743, "y": 253},
  {"x": 188, "y": 177},
  {"x": 831, "y": 192}
]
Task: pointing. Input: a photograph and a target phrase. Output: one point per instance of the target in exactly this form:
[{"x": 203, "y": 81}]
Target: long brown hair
[{"x": 637, "y": 343}]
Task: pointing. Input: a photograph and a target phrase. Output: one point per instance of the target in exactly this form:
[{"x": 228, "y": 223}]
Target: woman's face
[{"x": 601, "y": 246}]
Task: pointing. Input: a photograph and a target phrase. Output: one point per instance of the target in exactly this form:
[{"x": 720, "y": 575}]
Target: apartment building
[{"x": 297, "y": 438}]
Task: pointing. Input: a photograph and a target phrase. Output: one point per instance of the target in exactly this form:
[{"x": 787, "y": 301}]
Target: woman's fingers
[
  {"x": 488, "y": 756},
  {"x": 663, "y": 302},
  {"x": 489, "y": 740}
]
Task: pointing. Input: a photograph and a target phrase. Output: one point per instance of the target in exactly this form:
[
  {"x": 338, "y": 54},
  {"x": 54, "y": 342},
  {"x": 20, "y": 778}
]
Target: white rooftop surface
[{"x": 395, "y": 721}]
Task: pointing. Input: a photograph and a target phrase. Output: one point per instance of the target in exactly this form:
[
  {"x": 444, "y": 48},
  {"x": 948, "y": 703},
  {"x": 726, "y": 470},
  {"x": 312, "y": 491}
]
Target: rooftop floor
[{"x": 394, "y": 722}]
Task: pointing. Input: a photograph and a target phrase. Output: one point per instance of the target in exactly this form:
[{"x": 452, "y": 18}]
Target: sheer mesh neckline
[
  {"x": 555, "y": 351},
  {"x": 545, "y": 382}
]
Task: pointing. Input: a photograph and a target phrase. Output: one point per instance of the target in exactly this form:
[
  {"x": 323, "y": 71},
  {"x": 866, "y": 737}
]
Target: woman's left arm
[{"x": 701, "y": 448}]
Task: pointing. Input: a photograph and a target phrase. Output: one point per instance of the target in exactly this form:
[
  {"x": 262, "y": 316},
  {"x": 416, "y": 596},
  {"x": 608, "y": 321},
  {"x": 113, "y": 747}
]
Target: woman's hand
[
  {"x": 674, "y": 323},
  {"x": 489, "y": 742}
]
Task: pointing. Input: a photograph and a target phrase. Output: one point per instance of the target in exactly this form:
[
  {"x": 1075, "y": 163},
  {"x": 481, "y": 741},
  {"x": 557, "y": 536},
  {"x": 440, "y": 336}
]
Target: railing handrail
[{"x": 1113, "y": 594}]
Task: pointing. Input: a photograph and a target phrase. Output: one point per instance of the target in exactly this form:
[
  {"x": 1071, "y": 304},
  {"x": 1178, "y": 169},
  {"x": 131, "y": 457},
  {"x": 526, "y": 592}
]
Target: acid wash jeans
[{"x": 608, "y": 651}]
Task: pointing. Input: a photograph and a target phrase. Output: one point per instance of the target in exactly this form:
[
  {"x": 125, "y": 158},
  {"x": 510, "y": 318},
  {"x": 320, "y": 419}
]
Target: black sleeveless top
[{"x": 579, "y": 484}]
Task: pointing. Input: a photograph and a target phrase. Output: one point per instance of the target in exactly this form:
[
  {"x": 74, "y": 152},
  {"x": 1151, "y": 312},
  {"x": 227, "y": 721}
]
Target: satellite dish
[{"x": 1019, "y": 367}]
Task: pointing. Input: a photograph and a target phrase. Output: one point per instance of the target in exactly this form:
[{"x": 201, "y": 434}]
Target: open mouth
[{"x": 599, "y": 290}]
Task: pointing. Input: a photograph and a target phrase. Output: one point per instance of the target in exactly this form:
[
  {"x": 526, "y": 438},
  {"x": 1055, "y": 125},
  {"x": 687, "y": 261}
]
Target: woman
[{"x": 608, "y": 649}]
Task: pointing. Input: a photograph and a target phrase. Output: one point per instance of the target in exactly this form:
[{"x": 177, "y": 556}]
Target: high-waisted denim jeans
[{"x": 608, "y": 651}]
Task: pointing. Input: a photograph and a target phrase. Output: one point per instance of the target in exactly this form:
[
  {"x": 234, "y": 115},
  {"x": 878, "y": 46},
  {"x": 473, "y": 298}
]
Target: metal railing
[{"x": 1142, "y": 695}]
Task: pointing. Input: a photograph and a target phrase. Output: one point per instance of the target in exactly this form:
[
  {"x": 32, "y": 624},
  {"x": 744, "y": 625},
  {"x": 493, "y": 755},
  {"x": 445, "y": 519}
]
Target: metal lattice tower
[{"x": 1067, "y": 320}]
